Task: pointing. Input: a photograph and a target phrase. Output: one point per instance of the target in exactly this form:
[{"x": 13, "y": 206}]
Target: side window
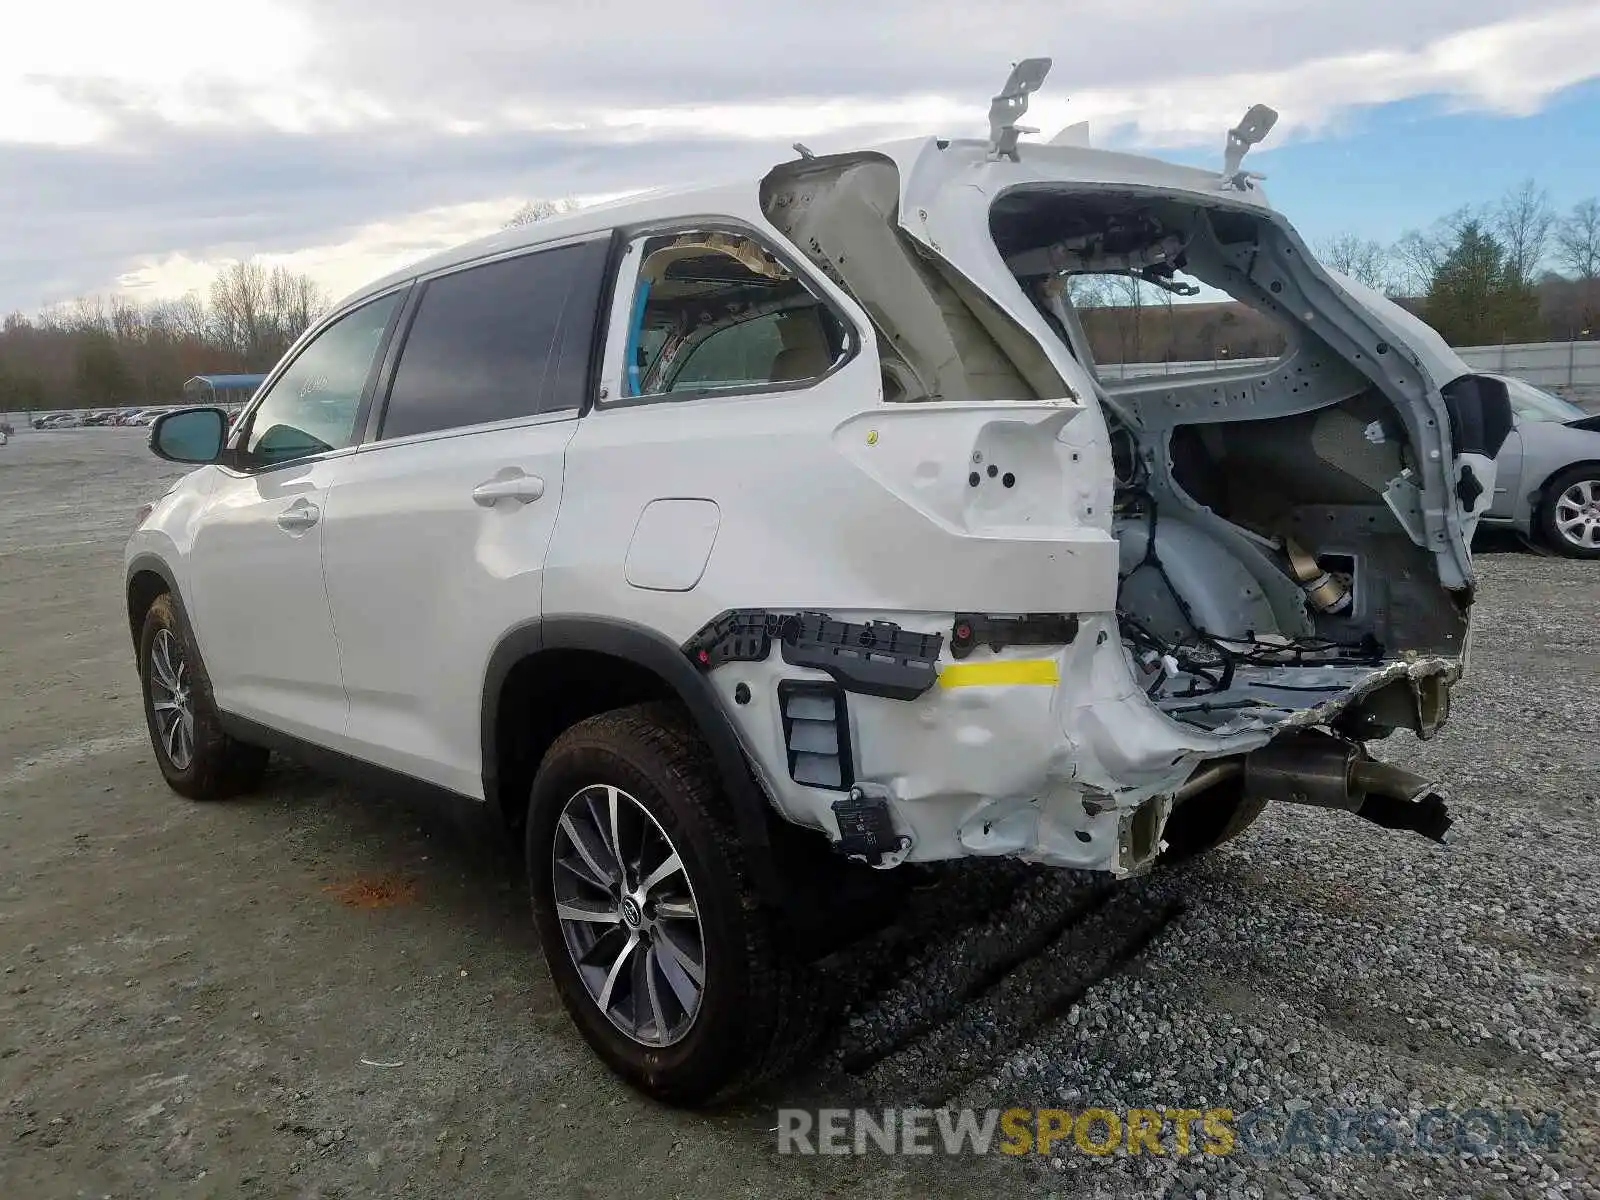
[
  {"x": 311, "y": 408},
  {"x": 719, "y": 312},
  {"x": 507, "y": 339}
]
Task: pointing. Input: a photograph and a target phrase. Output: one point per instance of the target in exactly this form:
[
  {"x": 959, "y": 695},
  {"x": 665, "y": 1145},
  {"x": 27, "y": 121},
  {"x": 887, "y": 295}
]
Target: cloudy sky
[{"x": 141, "y": 145}]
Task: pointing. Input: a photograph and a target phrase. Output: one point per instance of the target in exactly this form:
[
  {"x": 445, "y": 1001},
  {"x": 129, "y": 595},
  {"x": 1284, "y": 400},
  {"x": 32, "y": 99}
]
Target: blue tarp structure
[
  {"x": 222, "y": 389},
  {"x": 229, "y": 381}
]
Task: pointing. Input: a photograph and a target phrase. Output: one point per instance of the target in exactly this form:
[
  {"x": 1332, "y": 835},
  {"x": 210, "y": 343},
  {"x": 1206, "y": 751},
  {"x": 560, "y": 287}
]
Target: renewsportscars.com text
[{"x": 1259, "y": 1133}]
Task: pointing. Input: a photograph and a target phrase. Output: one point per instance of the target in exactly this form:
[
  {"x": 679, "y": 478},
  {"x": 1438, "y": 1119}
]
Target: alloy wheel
[
  {"x": 170, "y": 698},
  {"x": 1577, "y": 513},
  {"x": 628, "y": 915}
]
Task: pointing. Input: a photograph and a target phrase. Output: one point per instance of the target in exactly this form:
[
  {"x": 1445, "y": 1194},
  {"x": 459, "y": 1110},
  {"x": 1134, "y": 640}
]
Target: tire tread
[{"x": 783, "y": 1002}]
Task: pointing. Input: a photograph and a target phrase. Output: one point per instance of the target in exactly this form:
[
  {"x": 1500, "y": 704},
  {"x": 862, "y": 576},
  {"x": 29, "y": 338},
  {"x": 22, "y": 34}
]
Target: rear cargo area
[
  {"x": 1274, "y": 565},
  {"x": 1267, "y": 515}
]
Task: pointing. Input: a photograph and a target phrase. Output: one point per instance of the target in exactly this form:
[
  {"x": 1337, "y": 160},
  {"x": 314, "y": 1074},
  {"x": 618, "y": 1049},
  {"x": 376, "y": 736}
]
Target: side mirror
[{"x": 192, "y": 435}]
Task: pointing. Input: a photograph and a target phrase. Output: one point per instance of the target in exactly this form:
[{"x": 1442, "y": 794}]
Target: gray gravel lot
[{"x": 189, "y": 991}]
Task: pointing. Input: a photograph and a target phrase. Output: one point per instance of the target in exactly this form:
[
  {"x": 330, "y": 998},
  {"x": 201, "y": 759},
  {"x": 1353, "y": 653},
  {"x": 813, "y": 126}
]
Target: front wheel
[
  {"x": 197, "y": 758},
  {"x": 670, "y": 968},
  {"x": 1569, "y": 517}
]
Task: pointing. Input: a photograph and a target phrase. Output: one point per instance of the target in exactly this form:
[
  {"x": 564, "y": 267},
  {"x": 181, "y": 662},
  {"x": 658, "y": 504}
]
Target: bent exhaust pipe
[{"x": 1328, "y": 772}]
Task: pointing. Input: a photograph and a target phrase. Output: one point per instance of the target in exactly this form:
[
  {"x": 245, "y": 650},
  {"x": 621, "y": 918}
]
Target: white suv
[{"x": 710, "y": 531}]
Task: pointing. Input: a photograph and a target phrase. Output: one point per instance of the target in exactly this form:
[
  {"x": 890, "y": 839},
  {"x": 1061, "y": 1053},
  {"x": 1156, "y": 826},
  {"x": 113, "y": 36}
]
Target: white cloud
[
  {"x": 1512, "y": 67},
  {"x": 370, "y": 252},
  {"x": 160, "y": 54},
  {"x": 314, "y": 106},
  {"x": 258, "y": 63}
]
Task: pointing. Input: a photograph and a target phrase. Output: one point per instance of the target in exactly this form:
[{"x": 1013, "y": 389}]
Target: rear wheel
[
  {"x": 1569, "y": 517},
  {"x": 197, "y": 758},
  {"x": 669, "y": 966}
]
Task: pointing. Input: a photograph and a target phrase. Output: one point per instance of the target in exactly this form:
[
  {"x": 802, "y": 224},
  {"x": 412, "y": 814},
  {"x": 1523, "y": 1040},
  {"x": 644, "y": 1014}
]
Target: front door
[{"x": 257, "y": 599}]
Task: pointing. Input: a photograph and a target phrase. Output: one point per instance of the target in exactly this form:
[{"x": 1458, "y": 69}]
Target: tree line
[
  {"x": 103, "y": 353},
  {"x": 1514, "y": 270}
]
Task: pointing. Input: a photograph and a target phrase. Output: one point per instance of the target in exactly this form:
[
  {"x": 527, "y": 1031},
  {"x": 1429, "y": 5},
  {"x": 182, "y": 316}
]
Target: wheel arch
[
  {"x": 1542, "y": 492},
  {"x": 1591, "y": 464},
  {"x": 545, "y": 675},
  {"x": 147, "y": 578}
]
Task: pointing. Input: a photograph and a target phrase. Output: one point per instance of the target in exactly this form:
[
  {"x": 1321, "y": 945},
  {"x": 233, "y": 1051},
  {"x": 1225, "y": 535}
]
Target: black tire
[
  {"x": 1545, "y": 519},
  {"x": 757, "y": 1009},
  {"x": 1202, "y": 823},
  {"x": 217, "y": 766}
]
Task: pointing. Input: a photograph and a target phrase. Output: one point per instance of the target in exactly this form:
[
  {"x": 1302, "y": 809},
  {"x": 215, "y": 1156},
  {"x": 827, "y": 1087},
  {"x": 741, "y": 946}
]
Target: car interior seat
[{"x": 805, "y": 353}]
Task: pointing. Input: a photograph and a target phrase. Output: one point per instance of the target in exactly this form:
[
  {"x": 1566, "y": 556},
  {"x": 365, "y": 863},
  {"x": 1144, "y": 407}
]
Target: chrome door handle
[
  {"x": 524, "y": 489},
  {"x": 299, "y": 516}
]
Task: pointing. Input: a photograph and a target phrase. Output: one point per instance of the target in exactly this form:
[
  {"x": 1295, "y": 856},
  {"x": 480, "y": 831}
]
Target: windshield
[{"x": 1531, "y": 404}]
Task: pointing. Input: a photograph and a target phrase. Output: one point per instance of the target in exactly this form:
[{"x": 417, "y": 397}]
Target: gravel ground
[{"x": 190, "y": 991}]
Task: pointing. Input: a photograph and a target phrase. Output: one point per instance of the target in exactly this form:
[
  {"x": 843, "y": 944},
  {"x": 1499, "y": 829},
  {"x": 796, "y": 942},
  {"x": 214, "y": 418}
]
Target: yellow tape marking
[{"x": 1000, "y": 673}]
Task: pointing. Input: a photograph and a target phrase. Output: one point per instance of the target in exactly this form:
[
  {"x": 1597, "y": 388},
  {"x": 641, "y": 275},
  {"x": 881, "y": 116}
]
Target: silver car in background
[{"x": 1547, "y": 478}]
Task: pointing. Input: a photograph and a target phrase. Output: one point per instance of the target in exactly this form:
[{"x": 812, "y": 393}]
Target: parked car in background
[{"x": 1547, "y": 482}]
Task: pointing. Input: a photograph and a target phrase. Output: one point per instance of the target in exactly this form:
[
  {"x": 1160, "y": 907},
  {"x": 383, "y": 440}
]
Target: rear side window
[
  {"x": 715, "y": 311},
  {"x": 492, "y": 343}
]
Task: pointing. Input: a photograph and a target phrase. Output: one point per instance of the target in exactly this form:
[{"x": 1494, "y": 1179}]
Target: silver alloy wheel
[
  {"x": 628, "y": 915},
  {"x": 170, "y": 699},
  {"x": 1578, "y": 514}
]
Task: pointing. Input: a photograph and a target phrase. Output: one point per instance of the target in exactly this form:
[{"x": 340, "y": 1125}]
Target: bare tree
[
  {"x": 1578, "y": 249},
  {"x": 129, "y": 322},
  {"x": 1087, "y": 291},
  {"x": 294, "y": 301},
  {"x": 1362, "y": 259},
  {"x": 187, "y": 317},
  {"x": 1523, "y": 222},
  {"x": 240, "y": 307},
  {"x": 539, "y": 210},
  {"x": 1578, "y": 241},
  {"x": 1419, "y": 253}
]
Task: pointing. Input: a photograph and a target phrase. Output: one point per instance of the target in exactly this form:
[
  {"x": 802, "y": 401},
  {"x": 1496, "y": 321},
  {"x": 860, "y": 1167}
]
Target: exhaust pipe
[{"x": 1329, "y": 772}]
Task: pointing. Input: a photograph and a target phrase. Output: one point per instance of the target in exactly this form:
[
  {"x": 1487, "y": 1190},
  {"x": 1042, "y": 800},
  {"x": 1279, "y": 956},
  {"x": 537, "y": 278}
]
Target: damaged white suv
[{"x": 706, "y": 533}]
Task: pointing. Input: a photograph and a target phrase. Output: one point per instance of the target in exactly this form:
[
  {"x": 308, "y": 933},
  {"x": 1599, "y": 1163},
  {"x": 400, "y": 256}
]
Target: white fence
[
  {"x": 1552, "y": 365},
  {"x": 1567, "y": 367}
]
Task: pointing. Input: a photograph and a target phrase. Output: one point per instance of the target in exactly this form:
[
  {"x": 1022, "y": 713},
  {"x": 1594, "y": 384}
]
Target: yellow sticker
[
  {"x": 872, "y": 437},
  {"x": 1001, "y": 673}
]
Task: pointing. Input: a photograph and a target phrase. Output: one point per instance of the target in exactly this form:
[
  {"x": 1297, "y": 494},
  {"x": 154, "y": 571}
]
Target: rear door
[{"x": 438, "y": 527}]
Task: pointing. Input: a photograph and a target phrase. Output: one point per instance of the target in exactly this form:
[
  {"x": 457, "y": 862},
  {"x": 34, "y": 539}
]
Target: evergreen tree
[{"x": 1477, "y": 297}]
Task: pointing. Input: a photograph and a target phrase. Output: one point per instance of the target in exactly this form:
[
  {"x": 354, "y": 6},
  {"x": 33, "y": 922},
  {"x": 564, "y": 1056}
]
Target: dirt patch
[{"x": 383, "y": 891}]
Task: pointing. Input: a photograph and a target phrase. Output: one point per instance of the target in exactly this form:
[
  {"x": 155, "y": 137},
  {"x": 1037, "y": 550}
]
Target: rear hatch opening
[
  {"x": 1289, "y": 550},
  {"x": 1273, "y": 560}
]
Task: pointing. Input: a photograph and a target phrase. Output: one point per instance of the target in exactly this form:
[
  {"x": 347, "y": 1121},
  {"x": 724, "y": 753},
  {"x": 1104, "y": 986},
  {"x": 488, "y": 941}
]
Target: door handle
[
  {"x": 508, "y": 485},
  {"x": 299, "y": 516}
]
